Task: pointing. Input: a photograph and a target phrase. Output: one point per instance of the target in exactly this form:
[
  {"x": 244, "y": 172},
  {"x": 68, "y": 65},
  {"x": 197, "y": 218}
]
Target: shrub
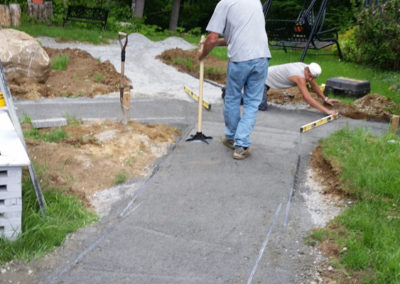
[
  {"x": 378, "y": 36},
  {"x": 195, "y": 31},
  {"x": 349, "y": 46}
]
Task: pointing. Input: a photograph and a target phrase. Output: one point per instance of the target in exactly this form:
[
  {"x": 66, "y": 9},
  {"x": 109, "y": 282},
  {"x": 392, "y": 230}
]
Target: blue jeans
[{"x": 251, "y": 76}]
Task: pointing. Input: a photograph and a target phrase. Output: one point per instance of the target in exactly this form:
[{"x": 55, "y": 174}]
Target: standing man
[{"x": 242, "y": 24}]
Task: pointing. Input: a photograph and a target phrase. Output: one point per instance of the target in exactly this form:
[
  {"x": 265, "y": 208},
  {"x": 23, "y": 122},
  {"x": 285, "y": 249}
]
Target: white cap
[{"x": 315, "y": 69}]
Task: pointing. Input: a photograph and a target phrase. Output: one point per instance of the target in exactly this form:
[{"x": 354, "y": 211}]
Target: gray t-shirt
[
  {"x": 278, "y": 75},
  {"x": 242, "y": 24}
]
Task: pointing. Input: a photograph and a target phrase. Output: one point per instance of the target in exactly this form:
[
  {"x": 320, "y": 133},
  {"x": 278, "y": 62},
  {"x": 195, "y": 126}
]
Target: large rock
[{"x": 23, "y": 57}]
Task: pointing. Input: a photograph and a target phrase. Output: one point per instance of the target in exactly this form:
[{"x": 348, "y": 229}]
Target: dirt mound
[
  {"x": 84, "y": 76},
  {"x": 96, "y": 153},
  {"x": 371, "y": 106},
  {"x": 186, "y": 61}
]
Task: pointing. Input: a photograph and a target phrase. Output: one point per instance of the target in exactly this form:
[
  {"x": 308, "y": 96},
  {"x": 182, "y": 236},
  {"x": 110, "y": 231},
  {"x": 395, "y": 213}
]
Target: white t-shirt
[
  {"x": 278, "y": 75},
  {"x": 242, "y": 24}
]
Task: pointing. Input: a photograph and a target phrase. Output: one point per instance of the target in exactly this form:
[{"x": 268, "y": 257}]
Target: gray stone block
[{"x": 46, "y": 123}]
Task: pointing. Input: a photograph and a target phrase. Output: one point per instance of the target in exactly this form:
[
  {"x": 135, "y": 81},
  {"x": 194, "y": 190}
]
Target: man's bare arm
[
  {"x": 212, "y": 41},
  {"x": 319, "y": 92},
  {"x": 301, "y": 84}
]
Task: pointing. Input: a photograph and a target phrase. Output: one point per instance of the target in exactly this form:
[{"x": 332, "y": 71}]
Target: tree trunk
[
  {"x": 133, "y": 7},
  {"x": 139, "y": 8},
  {"x": 5, "y": 18},
  {"x": 43, "y": 12},
  {"x": 173, "y": 24},
  {"x": 15, "y": 13}
]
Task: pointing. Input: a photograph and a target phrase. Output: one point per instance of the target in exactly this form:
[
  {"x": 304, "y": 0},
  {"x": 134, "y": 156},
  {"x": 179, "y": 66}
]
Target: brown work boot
[
  {"x": 241, "y": 153},
  {"x": 228, "y": 143}
]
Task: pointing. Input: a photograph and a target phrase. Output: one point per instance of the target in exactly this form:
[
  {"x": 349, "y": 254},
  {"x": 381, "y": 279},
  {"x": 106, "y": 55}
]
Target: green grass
[
  {"x": 121, "y": 177},
  {"x": 72, "y": 120},
  {"x": 42, "y": 233},
  {"x": 186, "y": 62},
  {"x": 370, "y": 228},
  {"x": 213, "y": 70},
  {"x": 60, "y": 62},
  {"x": 99, "y": 77},
  {"x": 26, "y": 119},
  {"x": 78, "y": 94},
  {"x": 54, "y": 135},
  {"x": 95, "y": 36},
  {"x": 220, "y": 52},
  {"x": 369, "y": 164}
]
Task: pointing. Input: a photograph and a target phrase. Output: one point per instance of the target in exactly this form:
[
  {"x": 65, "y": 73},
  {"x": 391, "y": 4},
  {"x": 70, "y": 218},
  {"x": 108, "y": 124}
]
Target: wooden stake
[
  {"x": 124, "y": 96},
  {"x": 394, "y": 124}
]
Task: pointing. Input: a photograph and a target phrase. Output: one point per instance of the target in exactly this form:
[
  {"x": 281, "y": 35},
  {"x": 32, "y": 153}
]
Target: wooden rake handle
[{"x": 201, "y": 73}]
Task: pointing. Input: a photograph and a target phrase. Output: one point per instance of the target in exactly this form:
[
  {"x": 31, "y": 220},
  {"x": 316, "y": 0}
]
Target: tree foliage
[
  {"x": 197, "y": 13},
  {"x": 338, "y": 15},
  {"x": 375, "y": 40},
  {"x": 378, "y": 35}
]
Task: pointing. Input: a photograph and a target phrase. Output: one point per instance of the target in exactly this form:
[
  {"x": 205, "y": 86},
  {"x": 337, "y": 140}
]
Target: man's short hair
[{"x": 315, "y": 69}]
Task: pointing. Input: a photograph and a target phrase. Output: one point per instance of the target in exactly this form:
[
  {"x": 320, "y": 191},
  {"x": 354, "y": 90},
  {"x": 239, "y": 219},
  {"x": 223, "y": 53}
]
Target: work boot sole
[
  {"x": 228, "y": 143},
  {"x": 241, "y": 156}
]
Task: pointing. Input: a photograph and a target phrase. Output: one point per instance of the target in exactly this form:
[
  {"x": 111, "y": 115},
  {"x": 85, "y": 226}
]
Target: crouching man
[{"x": 297, "y": 74}]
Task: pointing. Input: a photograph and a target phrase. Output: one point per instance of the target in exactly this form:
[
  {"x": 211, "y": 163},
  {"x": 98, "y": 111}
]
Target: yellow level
[
  {"x": 206, "y": 105},
  {"x": 317, "y": 123}
]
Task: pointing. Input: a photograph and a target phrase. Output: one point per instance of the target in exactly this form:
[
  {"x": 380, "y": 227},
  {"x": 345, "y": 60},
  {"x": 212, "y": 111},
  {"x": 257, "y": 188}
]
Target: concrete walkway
[{"x": 202, "y": 217}]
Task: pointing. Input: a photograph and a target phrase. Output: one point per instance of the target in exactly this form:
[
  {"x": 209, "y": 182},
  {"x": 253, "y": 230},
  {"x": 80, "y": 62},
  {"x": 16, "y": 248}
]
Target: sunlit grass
[
  {"x": 95, "y": 36},
  {"x": 368, "y": 231},
  {"x": 53, "y": 135},
  {"x": 42, "y": 233},
  {"x": 60, "y": 62}
]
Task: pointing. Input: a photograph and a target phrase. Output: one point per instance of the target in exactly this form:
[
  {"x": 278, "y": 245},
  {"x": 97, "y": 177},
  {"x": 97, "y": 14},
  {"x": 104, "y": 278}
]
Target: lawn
[{"x": 367, "y": 233}]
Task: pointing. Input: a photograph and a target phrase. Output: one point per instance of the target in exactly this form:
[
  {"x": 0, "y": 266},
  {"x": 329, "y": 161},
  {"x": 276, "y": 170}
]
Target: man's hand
[
  {"x": 332, "y": 112},
  {"x": 331, "y": 101},
  {"x": 200, "y": 56}
]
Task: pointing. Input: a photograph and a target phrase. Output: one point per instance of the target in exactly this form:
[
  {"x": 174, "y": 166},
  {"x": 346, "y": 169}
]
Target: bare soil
[
  {"x": 84, "y": 76},
  {"x": 96, "y": 153},
  {"x": 371, "y": 106},
  {"x": 186, "y": 61}
]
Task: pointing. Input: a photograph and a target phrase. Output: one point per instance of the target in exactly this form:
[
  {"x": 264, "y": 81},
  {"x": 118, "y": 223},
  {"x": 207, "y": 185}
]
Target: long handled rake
[{"x": 199, "y": 136}]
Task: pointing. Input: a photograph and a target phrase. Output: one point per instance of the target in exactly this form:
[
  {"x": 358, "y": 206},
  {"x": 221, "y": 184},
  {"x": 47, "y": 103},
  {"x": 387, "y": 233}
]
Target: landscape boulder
[{"x": 23, "y": 57}]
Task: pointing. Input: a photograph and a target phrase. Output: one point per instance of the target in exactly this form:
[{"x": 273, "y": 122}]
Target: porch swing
[
  {"x": 305, "y": 32},
  {"x": 93, "y": 15}
]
